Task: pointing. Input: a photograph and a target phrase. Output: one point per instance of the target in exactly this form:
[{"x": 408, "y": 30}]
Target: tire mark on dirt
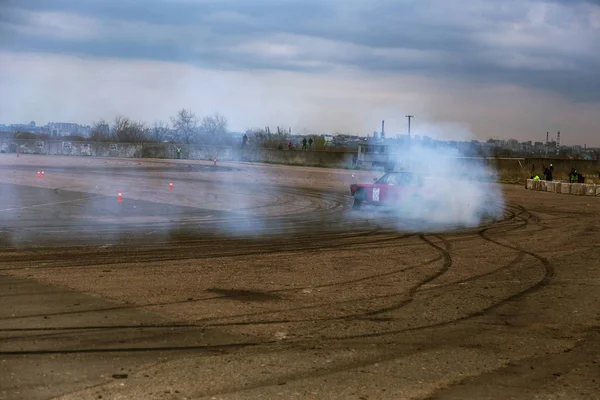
[
  {"x": 267, "y": 312},
  {"x": 152, "y": 255},
  {"x": 546, "y": 280},
  {"x": 445, "y": 254}
]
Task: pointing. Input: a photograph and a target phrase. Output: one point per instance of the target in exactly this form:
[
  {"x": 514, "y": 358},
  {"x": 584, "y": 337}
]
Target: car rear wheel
[{"x": 358, "y": 199}]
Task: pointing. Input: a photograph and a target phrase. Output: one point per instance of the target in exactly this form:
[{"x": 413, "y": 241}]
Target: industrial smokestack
[{"x": 382, "y": 129}]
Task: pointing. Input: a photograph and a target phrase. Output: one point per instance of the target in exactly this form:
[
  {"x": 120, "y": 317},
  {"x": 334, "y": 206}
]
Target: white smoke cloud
[{"x": 456, "y": 191}]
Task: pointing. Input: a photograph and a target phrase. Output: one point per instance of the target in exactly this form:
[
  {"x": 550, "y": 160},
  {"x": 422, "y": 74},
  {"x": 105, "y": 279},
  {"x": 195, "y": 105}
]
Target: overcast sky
[{"x": 465, "y": 69}]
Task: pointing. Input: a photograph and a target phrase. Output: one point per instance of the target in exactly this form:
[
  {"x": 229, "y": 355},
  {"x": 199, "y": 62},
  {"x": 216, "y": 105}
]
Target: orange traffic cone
[
  {"x": 42, "y": 174},
  {"x": 39, "y": 175},
  {"x": 171, "y": 185},
  {"x": 120, "y": 197}
]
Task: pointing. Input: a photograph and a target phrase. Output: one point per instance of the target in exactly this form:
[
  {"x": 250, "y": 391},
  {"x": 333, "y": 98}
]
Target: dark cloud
[{"x": 550, "y": 44}]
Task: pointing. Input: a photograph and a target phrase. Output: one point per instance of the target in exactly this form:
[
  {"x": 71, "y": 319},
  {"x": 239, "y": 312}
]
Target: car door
[
  {"x": 392, "y": 190},
  {"x": 401, "y": 187},
  {"x": 410, "y": 188},
  {"x": 412, "y": 185},
  {"x": 379, "y": 193}
]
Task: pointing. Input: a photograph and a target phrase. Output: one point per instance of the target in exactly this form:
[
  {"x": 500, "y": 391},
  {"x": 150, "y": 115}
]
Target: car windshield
[{"x": 399, "y": 179}]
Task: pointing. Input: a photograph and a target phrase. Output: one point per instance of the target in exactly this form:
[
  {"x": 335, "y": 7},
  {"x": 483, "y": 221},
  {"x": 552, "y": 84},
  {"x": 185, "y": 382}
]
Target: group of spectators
[{"x": 548, "y": 173}]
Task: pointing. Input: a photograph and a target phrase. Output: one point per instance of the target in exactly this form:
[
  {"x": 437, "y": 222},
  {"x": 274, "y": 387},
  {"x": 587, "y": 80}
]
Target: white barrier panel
[
  {"x": 589, "y": 190},
  {"x": 529, "y": 184},
  {"x": 577, "y": 189},
  {"x": 557, "y": 187}
]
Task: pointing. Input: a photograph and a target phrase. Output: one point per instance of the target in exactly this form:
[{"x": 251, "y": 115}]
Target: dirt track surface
[{"x": 251, "y": 281}]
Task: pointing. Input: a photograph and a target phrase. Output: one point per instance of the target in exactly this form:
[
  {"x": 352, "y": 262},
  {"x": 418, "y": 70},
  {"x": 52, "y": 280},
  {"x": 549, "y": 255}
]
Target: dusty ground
[{"x": 250, "y": 281}]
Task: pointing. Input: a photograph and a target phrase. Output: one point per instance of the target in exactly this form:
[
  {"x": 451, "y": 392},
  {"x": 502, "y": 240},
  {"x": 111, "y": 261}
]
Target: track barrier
[{"x": 577, "y": 189}]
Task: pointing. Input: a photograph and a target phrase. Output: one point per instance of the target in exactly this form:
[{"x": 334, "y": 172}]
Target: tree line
[
  {"x": 263, "y": 137},
  {"x": 185, "y": 128}
]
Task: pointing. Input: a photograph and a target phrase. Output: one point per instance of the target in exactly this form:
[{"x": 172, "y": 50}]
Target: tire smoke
[{"x": 454, "y": 191}]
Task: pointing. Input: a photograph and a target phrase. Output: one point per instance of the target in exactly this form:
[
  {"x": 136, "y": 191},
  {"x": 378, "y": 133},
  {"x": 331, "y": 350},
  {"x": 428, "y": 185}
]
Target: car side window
[
  {"x": 406, "y": 180},
  {"x": 384, "y": 180},
  {"x": 402, "y": 180},
  {"x": 387, "y": 179}
]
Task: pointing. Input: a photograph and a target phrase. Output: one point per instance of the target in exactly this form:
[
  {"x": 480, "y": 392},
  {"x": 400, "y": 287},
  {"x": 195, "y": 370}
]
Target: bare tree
[
  {"x": 284, "y": 134},
  {"x": 100, "y": 131},
  {"x": 185, "y": 124},
  {"x": 159, "y": 131},
  {"x": 263, "y": 137},
  {"x": 222, "y": 123},
  {"x": 214, "y": 128},
  {"x": 128, "y": 131}
]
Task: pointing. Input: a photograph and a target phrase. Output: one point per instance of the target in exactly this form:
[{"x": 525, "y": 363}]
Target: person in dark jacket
[{"x": 548, "y": 174}]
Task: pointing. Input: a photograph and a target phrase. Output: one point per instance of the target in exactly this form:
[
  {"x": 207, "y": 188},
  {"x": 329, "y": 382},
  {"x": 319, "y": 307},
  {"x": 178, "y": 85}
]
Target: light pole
[{"x": 409, "y": 117}]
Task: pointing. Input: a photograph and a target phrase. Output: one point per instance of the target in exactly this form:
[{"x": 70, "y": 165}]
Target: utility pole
[{"x": 409, "y": 117}]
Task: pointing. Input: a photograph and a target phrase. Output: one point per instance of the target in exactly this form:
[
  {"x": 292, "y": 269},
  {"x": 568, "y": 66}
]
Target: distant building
[
  {"x": 513, "y": 144},
  {"x": 68, "y": 128},
  {"x": 64, "y": 128}
]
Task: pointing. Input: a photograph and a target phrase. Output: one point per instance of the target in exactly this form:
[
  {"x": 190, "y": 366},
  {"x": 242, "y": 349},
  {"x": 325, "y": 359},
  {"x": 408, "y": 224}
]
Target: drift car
[{"x": 392, "y": 189}]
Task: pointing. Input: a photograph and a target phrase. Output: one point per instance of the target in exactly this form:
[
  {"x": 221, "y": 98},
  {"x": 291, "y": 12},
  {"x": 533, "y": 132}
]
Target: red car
[{"x": 392, "y": 189}]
